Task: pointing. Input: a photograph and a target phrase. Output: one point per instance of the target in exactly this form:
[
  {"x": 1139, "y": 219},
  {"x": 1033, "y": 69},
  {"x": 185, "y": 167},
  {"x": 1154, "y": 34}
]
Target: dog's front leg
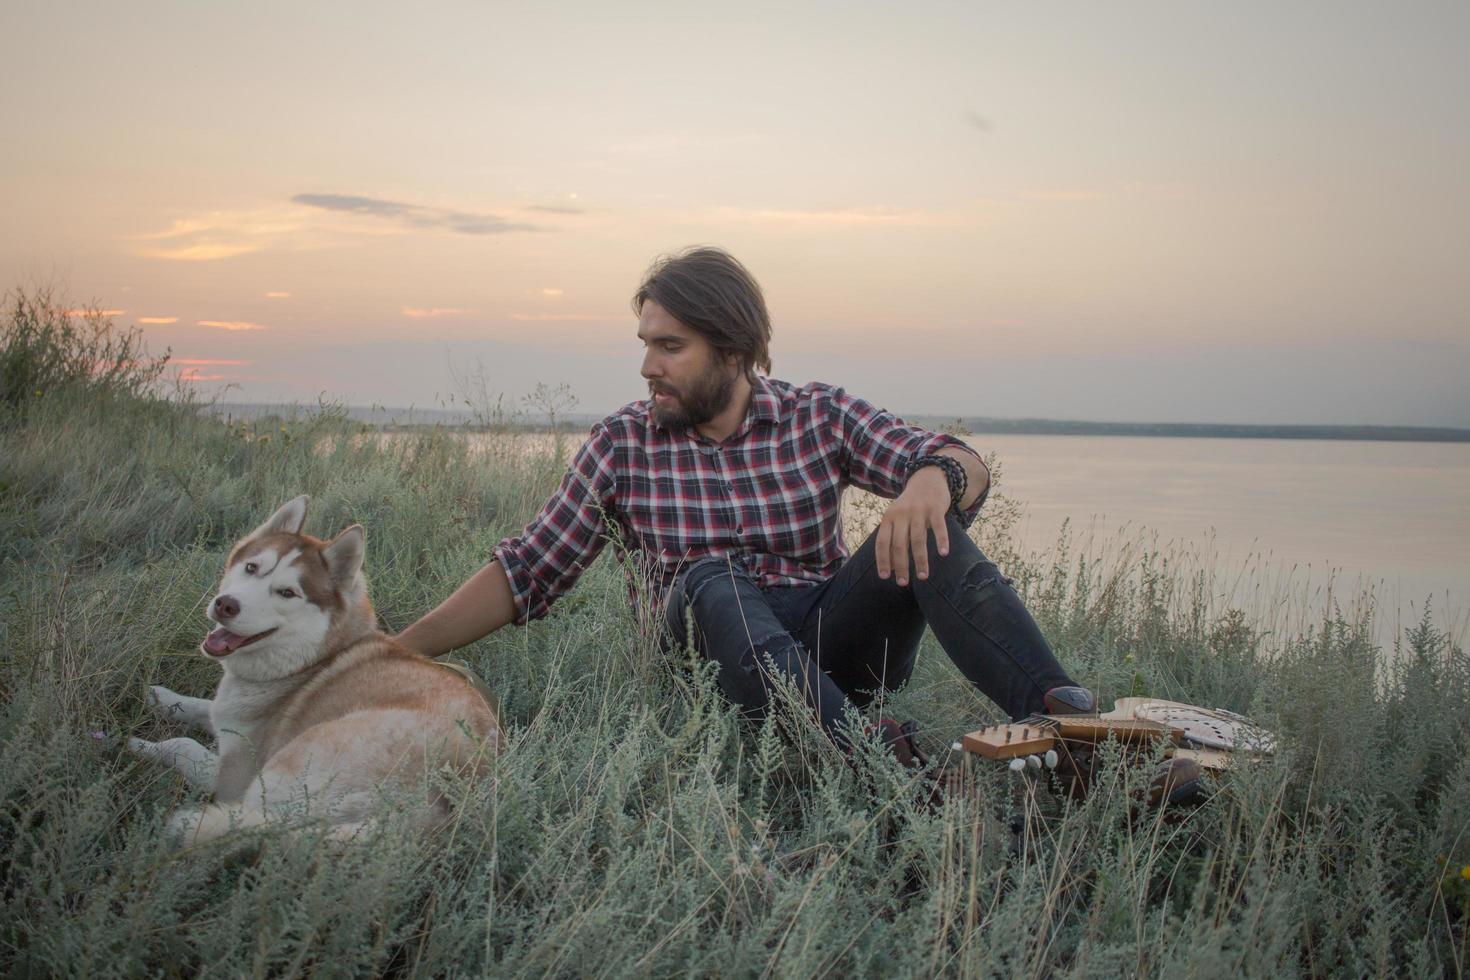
[
  {"x": 181, "y": 707},
  {"x": 198, "y": 765}
]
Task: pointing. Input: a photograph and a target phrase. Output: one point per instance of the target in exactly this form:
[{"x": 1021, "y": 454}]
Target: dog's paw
[{"x": 165, "y": 702}]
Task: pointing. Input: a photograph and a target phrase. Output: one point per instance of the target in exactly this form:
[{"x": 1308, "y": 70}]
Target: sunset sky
[{"x": 1161, "y": 211}]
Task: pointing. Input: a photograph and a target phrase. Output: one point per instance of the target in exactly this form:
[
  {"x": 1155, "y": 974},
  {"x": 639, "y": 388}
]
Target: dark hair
[{"x": 710, "y": 292}]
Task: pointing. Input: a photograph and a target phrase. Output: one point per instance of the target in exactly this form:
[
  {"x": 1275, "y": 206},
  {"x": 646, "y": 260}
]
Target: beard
[{"x": 705, "y": 397}]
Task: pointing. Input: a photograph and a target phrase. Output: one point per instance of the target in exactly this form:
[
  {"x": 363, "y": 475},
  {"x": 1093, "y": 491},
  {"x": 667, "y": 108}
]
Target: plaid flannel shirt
[{"x": 768, "y": 497}]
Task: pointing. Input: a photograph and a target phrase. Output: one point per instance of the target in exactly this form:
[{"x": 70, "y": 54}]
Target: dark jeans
[{"x": 856, "y": 633}]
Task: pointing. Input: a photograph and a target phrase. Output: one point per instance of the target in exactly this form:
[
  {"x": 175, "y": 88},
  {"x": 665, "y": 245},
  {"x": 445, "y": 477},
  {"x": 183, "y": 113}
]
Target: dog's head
[{"x": 288, "y": 599}]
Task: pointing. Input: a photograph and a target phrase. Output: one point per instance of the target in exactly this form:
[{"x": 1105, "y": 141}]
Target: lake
[{"x": 1394, "y": 516}]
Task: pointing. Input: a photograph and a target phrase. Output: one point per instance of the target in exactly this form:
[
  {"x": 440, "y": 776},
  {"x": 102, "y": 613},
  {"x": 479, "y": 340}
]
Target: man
[{"x": 728, "y": 486}]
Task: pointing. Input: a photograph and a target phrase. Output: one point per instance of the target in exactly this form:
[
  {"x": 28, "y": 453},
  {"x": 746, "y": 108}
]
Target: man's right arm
[{"x": 476, "y": 609}]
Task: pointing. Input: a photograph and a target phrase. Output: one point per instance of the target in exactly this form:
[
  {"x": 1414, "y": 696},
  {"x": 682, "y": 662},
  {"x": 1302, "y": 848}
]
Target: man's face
[{"x": 690, "y": 383}]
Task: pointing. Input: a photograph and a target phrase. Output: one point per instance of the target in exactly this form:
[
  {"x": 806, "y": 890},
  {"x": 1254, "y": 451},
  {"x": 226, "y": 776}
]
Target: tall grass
[{"x": 636, "y": 825}]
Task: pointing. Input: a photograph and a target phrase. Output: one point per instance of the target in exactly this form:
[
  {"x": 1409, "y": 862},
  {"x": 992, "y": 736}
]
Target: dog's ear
[
  {"x": 291, "y": 518},
  {"x": 343, "y": 555}
]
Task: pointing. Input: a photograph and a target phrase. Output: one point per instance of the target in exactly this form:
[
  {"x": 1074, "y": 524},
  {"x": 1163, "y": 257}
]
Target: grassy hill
[{"x": 635, "y": 826}]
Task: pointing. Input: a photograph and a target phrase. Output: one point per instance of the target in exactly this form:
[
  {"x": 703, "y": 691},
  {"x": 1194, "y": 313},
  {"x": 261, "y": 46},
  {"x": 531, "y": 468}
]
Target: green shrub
[{"x": 46, "y": 347}]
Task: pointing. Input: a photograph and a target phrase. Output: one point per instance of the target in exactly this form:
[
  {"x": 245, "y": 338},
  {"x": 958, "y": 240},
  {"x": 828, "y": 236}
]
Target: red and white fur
[{"x": 317, "y": 708}]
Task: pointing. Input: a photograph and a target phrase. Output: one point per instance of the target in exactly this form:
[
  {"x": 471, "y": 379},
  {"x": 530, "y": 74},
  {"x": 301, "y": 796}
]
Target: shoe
[
  {"x": 1076, "y": 767},
  {"x": 900, "y": 738},
  {"x": 1070, "y": 701},
  {"x": 1179, "y": 782}
]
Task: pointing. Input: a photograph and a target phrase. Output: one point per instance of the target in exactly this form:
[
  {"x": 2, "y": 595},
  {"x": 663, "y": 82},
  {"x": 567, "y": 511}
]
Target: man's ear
[
  {"x": 290, "y": 519},
  {"x": 343, "y": 555}
]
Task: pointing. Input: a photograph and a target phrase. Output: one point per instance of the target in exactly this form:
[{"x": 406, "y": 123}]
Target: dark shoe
[
  {"x": 1076, "y": 767},
  {"x": 900, "y": 739},
  {"x": 1070, "y": 701},
  {"x": 1179, "y": 782}
]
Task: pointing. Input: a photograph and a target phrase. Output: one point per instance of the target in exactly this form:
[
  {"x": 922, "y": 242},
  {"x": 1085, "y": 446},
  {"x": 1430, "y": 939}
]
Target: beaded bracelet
[{"x": 954, "y": 476}]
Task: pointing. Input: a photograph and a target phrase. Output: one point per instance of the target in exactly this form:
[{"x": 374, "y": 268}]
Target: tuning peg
[
  {"x": 1017, "y": 764},
  {"x": 1032, "y": 762},
  {"x": 1050, "y": 758}
]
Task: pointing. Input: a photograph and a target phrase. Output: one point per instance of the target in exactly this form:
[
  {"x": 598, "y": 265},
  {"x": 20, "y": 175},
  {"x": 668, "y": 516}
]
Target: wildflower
[
  {"x": 1465, "y": 872},
  {"x": 101, "y": 736}
]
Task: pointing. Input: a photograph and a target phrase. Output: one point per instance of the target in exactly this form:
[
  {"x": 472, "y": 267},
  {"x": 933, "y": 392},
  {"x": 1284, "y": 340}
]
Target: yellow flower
[{"x": 1465, "y": 872}]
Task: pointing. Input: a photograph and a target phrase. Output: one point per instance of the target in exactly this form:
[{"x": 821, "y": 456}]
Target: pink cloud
[{"x": 158, "y": 319}]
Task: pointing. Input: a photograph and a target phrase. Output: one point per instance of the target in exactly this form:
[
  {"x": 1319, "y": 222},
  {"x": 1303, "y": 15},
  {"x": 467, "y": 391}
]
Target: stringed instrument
[{"x": 1210, "y": 736}]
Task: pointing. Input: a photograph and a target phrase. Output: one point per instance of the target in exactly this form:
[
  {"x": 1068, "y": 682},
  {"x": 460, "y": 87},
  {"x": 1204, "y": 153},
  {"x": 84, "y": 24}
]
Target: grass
[{"x": 636, "y": 826}]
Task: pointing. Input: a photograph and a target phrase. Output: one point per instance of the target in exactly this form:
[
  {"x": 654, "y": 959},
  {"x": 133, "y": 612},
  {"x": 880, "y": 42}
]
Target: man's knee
[{"x": 966, "y": 564}]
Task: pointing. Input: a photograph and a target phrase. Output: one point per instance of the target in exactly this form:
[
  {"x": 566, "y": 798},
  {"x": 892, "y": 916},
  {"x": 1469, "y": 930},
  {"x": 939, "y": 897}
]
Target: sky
[{"x": 1249, "y": 212}]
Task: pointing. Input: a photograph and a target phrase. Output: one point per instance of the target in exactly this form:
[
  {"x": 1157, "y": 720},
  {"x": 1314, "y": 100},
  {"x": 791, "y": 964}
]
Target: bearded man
[{"x": 728, "y": 485}]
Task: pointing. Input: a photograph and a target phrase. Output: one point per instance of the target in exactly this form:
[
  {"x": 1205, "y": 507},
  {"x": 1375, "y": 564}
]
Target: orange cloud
[
  {"x": 203, "y": 252},
  {"x": 206, "y": 361},
  {"x": 233, "y": 325},
  {"x": 193, "y": 377},
  {"x": 158, "y": 319},
  {"x": 550, "y": 291},
  {"x": 87, "y": 313},
  {"x": 421, "y": 312},
  {"x": 277, "y": 295},
  {"x": 179, "y": 227}
]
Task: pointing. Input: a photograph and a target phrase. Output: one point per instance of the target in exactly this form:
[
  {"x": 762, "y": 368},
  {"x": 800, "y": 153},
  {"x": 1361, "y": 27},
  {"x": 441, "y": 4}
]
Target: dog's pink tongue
[{"x": 222, "y": 642}]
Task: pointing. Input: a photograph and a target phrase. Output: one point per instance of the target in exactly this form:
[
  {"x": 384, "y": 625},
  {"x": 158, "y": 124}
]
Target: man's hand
[{"x": 904, "y": 530}]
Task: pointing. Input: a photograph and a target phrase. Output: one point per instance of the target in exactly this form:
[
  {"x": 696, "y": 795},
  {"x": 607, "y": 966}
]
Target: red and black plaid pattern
[{"x": 769, "y": 496}]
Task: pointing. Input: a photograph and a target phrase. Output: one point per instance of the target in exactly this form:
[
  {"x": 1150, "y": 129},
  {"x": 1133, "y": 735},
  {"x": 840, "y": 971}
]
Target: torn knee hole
[{"x": 983, "y": 575}]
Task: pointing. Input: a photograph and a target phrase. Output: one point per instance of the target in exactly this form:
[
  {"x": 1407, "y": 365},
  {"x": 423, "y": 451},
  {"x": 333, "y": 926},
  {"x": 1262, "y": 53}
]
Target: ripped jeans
[{"x": 855, "y": 634}]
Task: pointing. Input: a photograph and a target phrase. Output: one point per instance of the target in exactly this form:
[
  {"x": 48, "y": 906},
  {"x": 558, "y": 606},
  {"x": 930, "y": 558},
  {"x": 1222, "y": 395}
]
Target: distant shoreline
[
  {"x": 408, "y": 418},
  {"x": 1199, "y": 430}
]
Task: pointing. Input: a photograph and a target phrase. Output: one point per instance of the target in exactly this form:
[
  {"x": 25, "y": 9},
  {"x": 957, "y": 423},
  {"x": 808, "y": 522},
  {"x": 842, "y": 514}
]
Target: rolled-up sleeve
[
  {"x": 548, "y": 557},
  {"x": 876, "y": 446}
]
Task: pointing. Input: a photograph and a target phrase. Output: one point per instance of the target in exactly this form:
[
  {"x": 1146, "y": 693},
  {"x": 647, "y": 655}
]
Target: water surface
[{"x": 1391, "y": 515}]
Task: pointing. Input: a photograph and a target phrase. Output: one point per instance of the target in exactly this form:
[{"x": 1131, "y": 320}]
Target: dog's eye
[
  {"x": 251, "y": 567},
  {"x": 286, "y": 593}
]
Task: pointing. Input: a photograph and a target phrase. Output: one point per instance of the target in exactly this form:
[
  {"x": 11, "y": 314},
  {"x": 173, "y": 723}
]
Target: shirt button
[{"x": 740, "y": 530}]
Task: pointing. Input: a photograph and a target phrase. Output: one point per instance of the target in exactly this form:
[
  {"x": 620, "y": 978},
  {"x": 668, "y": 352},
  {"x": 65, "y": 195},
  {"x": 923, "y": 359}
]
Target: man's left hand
[{"x": 904, "y": 531}]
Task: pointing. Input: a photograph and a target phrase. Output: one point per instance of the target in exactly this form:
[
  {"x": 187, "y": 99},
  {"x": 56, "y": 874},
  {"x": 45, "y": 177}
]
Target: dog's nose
[{"x": 226, "y": 607}]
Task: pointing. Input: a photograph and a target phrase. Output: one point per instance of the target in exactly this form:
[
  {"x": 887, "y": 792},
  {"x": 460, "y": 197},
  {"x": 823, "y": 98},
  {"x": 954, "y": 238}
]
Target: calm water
[{"x": 1395, "y": 516}]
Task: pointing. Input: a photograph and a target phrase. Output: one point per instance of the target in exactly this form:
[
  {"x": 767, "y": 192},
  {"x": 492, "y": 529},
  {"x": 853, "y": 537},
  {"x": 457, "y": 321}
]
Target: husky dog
[{"x": 316, "y": 705}]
